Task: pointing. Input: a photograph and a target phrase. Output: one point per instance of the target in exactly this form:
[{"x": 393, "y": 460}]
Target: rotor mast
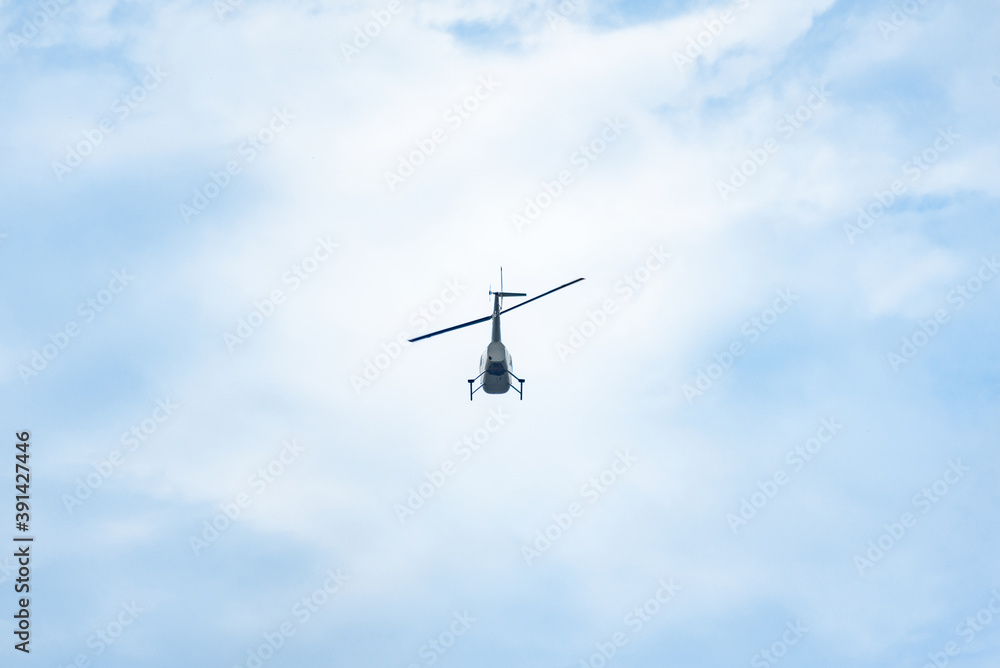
[
  {"x": 496, "y": 316},
  {"x": 498, "y": 306}
]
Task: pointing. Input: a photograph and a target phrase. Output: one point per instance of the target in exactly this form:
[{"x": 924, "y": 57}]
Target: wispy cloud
[{"x": 788, "y": 195}]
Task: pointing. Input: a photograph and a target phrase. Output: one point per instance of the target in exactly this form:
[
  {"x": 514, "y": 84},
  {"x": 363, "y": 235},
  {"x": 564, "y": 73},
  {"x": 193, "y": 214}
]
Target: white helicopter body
[{"x": 496, "y": 367}]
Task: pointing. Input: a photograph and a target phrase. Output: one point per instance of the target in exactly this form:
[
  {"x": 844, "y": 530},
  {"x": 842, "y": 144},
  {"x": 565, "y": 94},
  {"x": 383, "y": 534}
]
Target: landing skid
[
  {"x": 520, "y": 391},
  {"x": 471, "y": 381}
]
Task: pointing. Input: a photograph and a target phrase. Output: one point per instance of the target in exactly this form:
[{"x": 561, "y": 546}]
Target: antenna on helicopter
[{"x": 503, "y": 294}]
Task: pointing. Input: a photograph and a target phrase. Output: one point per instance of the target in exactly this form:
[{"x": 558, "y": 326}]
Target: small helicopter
[{"x": 496, "y": 367}]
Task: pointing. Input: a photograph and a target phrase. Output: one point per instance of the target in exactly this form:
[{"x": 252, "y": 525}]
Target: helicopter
[{"x": 496, "y": 367}]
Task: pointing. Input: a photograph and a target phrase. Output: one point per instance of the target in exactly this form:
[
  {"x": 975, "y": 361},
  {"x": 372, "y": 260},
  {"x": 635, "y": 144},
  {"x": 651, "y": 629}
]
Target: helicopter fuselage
[{"x": 495, "y": 366}]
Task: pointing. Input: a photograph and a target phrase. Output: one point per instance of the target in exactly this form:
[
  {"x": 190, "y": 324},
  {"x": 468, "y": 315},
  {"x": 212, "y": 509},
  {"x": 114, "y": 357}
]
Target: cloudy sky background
[{"x": 890, "y": 87}]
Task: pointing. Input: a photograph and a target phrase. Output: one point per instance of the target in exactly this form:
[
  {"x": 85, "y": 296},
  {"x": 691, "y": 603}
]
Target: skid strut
[
  {"x": 471, "y": 381},
  {"x": 520, "y": 392}
]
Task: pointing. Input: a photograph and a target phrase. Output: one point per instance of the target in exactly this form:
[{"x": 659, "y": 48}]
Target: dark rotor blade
[
  {"x": 541, "y": 295},
  {"x": 442, "y": 331},
  {"x": 489, "y": 317}
]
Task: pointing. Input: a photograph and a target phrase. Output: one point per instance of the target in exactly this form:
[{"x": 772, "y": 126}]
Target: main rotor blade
[
  {"x": 484, "y": 319},
  {"x": 541, "y": 295},
  {"x": 442, "y": 331}
]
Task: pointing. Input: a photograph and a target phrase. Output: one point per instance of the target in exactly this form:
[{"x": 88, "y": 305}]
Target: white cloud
[{"x": 655, "y": 184}]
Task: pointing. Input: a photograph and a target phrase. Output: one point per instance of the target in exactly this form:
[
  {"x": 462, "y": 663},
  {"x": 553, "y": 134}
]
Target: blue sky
[{"x": 222, "y": 221}]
